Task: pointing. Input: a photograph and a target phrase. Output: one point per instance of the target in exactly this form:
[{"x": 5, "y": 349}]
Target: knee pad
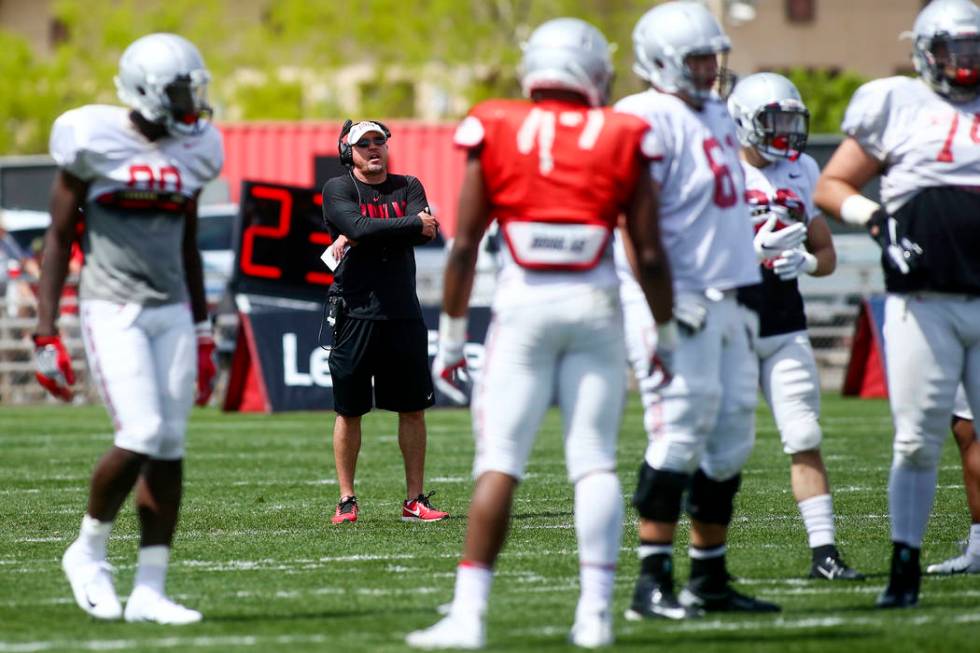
[
  {"x": 802, "y": 436},
  {"x": 917, "y": 452},
  {"x": 658, "y": 493},
  {"x": 710, "y": 501}
]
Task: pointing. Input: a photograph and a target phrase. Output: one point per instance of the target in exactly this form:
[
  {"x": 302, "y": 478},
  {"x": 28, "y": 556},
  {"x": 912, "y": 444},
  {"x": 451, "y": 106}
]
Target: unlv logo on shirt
[{"x": 384, "y": 211}]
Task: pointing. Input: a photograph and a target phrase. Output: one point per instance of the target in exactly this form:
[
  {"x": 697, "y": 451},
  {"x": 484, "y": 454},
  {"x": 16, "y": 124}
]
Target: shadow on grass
[
  {"x": 324, "y": 615},
  {"x": 543, "y": 515}
]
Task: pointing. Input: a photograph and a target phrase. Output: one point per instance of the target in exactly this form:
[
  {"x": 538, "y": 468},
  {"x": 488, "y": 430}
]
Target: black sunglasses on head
[{"x": 377, "y": 140}]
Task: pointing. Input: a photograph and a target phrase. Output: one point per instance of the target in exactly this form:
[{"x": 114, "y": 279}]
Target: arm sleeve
[
  {"x": 343, "y": 213},
  {"x": 416, "y": 202}
]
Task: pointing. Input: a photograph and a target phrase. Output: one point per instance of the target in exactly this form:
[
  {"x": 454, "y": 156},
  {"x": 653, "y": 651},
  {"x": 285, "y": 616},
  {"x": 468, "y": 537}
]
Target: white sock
[
  {"x": 645, "y": 550},
  {"x": 818, "y": 518},
  {"x": 472, "y": 591},
  {"x": 599, "y": 527},
  {"x": 94, "y": 536},
  {"x": 911, "y": 491},
  {"x": 707, "y": 554},
  {"x": 599, "y": 518},
  {"x": 597, "y": 588},
  {"x": 973, "y": 544},
  {"x": 151, "y": 568}
]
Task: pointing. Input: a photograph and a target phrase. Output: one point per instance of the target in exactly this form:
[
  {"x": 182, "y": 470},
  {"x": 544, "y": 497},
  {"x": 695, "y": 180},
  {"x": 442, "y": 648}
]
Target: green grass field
[{"x": 257, "y": 555}]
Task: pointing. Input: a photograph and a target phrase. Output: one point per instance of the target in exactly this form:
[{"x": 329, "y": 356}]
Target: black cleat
[
  {"x": 724, "y": 600},
  {"x": 832, "y": 567},
  {"x": 903, "y": 583},
  {"x": 653, "y": 599}
]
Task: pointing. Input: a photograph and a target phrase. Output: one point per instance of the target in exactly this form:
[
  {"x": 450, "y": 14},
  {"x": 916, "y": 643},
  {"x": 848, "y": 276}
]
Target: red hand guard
[
  {"x": 206, "y": 369},
  {"x": 53, "y": 364}
]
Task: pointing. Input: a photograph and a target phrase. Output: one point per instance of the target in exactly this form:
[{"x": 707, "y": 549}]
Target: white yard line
[{"x": 181, "y": 643}]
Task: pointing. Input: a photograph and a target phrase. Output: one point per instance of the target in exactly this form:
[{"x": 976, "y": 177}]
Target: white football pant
[
  {"x": 791, "y": 385},
  {"x": 706, "y": 415},
  {"x": 932, "y": 342},
  {"x": 961, "y": 408},
  {"x": 143, "y": 360},
  {"x": 570, "y": 344}
]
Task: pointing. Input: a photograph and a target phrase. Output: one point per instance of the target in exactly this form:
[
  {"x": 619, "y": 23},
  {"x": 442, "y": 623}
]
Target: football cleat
[
  {"x": 145, "y": 604},
  {"x": 727, "y": 599},
  {"x": 420, "y": 509},
  {"x": 346, "y": 511},
  {"x": 961, "y": 564},
  {"x": 91, "y": 583},
  {"x": 451, "y": 632},
  {"x": 592, "y": 630},
  {"x": 832, "y": 567},
  {"x": 653, "y": 599},
  {"x": 903, "y": 581}
]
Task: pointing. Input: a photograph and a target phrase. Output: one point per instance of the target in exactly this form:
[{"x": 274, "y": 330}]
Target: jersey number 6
[{"x": 725, "y": 195}]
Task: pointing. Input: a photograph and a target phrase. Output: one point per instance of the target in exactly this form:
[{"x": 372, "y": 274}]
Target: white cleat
[
  {"x": 450, "y": 632},
  {"x": 962, "y": 564},
  {"x": 592, "y": 631},
  {"x": 91, "y": 583},
  {"x": 145, "y": 604}
]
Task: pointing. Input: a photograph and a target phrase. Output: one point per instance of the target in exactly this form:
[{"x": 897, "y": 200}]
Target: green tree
[
  {"x": 279, "y": 59},
  {"x": 826, "y": 94}
]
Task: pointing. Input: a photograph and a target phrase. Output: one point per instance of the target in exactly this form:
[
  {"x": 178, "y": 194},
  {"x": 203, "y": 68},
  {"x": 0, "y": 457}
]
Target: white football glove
[
  {"x": 791, "y": 262},
  {"x": 449, "y": 373},
  {"x": 690, "y": 314},
  {"x": 661, "y": 370},
  {"x": 770, "y": 244}
]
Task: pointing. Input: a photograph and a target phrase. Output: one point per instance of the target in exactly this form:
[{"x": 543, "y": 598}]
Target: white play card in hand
[{"x": 327, "y": 257}]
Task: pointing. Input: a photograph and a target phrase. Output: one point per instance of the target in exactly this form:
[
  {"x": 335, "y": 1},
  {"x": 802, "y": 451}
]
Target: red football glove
[
  {"x": 53, "y": 366},
  {"x": 206, "y": 369}
]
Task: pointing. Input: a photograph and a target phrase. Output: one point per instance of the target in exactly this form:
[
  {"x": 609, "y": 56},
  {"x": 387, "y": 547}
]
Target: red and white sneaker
[
  {"x": 346, "y": 511},
  {"x": 420, "y": 509}
]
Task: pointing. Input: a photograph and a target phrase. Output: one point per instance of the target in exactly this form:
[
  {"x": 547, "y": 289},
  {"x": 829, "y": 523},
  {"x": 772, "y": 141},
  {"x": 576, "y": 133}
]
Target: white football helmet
[
  {"x": 946, "y": 48},
  {"x": 667, "y": 35},
  {"x": 567, "y": 54},
  {"x": 770, "y": 116},
  {"x": 163, "y": 77}
]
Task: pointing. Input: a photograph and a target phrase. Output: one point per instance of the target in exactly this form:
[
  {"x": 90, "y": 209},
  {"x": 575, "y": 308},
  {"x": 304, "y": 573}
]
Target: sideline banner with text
[{"x": 280, "y": 360}]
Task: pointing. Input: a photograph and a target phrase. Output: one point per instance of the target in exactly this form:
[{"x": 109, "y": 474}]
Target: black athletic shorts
[{"x": 395, "y": 353}]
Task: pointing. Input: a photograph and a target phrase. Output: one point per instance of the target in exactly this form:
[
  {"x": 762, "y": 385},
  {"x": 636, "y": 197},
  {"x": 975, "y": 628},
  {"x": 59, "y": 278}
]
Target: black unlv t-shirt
[{"x": 376, "y": 277}]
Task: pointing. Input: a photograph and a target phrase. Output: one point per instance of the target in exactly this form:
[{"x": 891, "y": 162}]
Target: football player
[
  {"x": 920, "y": 136},
  {"x": 136, "y": 173},
  {"x": 968, "y": 562},
  {"x": 555, "y": 172},
  {"x": 772, "y": 124},
  {"x": 700, "y": 423}
]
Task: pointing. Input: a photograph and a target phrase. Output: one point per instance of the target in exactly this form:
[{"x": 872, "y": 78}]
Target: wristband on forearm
[{"x": 857, "y": 209}]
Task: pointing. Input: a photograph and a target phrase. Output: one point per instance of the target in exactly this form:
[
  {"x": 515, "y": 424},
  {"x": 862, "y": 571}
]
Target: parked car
[
  {"x": 215, "y": 239},
  {"x": 430, "y": 265}
]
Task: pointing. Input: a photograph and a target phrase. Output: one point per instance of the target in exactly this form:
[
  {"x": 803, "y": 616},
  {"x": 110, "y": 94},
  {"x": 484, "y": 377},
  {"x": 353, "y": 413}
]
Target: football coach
[{"x": 380, "y": 343}]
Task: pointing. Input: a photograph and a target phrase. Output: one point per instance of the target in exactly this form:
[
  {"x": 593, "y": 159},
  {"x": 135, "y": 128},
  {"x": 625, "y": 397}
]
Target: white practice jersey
[
  {"x": 789, "y": 185},
  {"x": 784, "y": 183},
  {"x": 704, "y": 219},
  {"x": 923, "y": 139},
  {"x": 137, "y": 196}
]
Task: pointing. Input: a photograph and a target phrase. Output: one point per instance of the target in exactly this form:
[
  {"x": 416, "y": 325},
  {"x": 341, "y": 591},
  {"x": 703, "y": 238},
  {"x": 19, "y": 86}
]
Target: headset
[{"x": 345, "y": 149}]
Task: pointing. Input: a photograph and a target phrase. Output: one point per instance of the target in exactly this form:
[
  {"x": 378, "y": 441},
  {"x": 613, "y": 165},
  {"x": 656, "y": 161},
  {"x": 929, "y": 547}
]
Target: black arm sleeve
[
  {"x": 343, "y": 213},
  {"x": 417, "y": 202}
]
